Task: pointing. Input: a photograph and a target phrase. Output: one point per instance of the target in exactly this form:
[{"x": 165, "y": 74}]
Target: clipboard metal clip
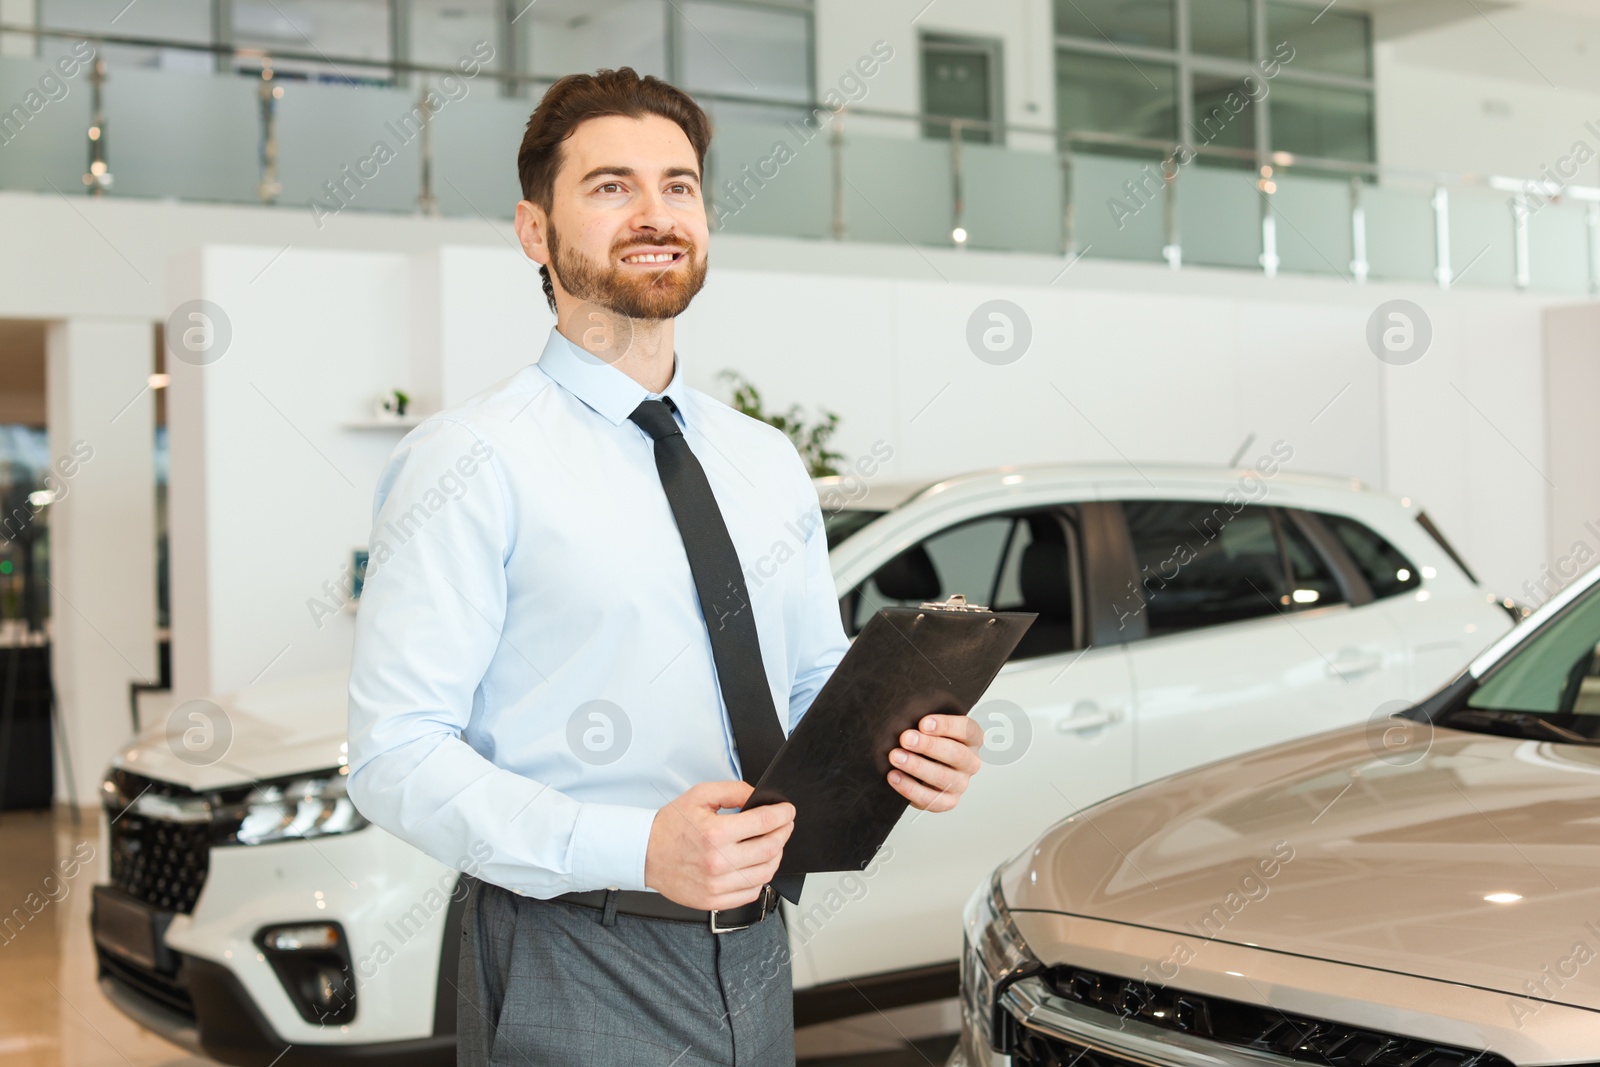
[{"x": 956, "y": 602}]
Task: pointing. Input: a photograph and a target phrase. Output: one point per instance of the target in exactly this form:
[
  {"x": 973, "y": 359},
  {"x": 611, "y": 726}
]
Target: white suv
[{"x": 1185, "y": 615}]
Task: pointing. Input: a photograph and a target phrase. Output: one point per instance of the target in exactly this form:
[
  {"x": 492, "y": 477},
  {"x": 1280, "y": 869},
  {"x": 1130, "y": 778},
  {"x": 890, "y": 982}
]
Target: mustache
[{"x": 668, "y": 240}]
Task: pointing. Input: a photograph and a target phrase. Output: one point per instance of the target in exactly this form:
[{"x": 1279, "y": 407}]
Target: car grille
[
  {"x": 165, "y": 991},
  {"x": 161, "y": 862},
  {"x": 1230, "y": 1022}
]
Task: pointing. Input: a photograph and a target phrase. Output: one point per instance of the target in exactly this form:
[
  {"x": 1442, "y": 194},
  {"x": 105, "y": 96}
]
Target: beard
[{"x": 661, "y": 294}]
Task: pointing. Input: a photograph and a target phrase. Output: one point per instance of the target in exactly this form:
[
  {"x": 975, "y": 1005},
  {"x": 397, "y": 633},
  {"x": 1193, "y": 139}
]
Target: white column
[
  {"x": 102, "y": 534},
  {"x": 1571, "y": 372}
]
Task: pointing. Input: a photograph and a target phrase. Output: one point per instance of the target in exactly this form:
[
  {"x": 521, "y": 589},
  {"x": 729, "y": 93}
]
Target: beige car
[{"x": 1423, "y": 891}]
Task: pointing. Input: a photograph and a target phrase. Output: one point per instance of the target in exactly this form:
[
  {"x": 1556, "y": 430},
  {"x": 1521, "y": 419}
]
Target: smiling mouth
[{"x": 662, "y": 257}]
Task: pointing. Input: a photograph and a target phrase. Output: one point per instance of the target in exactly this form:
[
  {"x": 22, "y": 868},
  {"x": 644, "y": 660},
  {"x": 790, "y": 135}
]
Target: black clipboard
[{"x": 906, "y": 663}]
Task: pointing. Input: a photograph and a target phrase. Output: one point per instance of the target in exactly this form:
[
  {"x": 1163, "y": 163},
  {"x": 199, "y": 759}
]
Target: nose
[{"x": 651, "y": 214}]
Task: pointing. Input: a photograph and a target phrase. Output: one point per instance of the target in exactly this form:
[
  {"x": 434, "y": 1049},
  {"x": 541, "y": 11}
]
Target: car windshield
[
  {"x": 1549, "y": 688},
  {"x": 841, "y": 524}
]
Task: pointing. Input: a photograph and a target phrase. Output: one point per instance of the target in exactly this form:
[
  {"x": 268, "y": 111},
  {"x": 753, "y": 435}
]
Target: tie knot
[{"x": 655, "y": 418}]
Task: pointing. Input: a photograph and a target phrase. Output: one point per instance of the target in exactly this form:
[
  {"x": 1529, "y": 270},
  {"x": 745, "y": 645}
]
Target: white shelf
[{"x": 384, "y": 424}]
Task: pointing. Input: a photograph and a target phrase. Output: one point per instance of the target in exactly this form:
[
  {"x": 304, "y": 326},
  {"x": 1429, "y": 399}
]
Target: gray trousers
[{"x": 548, "y": 984}]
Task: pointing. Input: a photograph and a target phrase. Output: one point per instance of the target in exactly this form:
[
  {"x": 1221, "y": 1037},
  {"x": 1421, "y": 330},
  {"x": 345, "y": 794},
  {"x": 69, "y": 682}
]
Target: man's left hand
[{"x": 934, "y": 762}]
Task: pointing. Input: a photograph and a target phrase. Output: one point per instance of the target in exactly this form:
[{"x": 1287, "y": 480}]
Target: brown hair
[{"x": 578, "y": 97}]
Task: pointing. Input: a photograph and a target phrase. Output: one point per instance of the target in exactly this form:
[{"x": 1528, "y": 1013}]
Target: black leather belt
[{"x": 656, "y": 906}]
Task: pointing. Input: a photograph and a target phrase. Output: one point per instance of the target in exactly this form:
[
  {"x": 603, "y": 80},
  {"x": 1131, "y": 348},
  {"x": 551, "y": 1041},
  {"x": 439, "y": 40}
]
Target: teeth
[{"x": 648, "y": 257}]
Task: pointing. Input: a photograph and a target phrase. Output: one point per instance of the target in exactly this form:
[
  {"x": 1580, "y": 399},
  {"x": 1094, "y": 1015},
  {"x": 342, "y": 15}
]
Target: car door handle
[
  {"x": 1354, "y": 662},
  {"x": 1087, "y": 716}
]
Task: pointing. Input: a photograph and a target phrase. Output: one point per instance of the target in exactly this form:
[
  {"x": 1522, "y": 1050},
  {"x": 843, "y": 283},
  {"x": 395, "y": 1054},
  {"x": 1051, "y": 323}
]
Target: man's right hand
[{"x": 701, "y": 859}]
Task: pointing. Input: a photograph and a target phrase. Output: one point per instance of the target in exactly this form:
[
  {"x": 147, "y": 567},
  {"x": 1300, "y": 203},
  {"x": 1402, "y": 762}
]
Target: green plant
[{"x": 811, "y": 441}]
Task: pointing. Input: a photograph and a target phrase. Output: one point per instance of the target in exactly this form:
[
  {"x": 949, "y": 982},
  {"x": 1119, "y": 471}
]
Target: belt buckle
[{"x": 766, "y": 899}]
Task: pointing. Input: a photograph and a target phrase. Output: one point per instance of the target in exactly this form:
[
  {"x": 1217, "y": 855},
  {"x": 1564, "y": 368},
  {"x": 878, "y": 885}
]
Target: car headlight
[
  {"x": 993, "y": 955},
  {"x": 315, "y": 805}
]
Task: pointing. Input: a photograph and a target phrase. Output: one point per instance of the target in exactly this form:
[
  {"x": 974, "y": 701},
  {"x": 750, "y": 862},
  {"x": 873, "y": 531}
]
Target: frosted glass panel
[
  {"x": 1482, "y": 245},
  {"x": 1558, "y": 248},
  {"x": 172, "y": 20},
  {"x": 330, "y": 142},
  {"x": 1219, "y": 217},
  {"x": 475, "y": 143},
  {"x": 756, "y": 191},
  {"x": 1013, "y": 199},
  {"x": 43, "y": 141},
  {"x": 1108, "y": 221},
  {"x": 1399, "y": 233},
  {"x": 193, "y": 136},
  {"x": 1313, "y": 224},
  {"x": 442, "y": 32},
  {"x": 358, "y": 29},
  {"x": 898, "y": 190}
]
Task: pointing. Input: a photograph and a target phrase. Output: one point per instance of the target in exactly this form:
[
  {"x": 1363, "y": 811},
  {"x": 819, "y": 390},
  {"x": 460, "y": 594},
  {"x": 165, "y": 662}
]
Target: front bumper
[
  {"x": 225, "y": 1024},
  {"x": 1044, "y": 1024},
  {"x": 202, "y": 981}
]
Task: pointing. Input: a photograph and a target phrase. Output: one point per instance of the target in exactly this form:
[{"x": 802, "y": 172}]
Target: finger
[
  {"x": 753, "y": 851},
  {"x": 942, "y": 750},
  {"x": 931, "y": 772},
  {"x": 960, "y": 727},
  {"x": 716, "y": 795},
  {"x": 920, "y": 794},
  {"x": 757, "y": 874},
  {"x": 735, "y": 898},
  {"x": 738, "y": 826}
]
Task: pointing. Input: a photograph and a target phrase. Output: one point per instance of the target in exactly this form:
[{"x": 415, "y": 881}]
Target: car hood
[
  {"x": 265, "y": 731},
  {"x": 1464, "y": 857}
]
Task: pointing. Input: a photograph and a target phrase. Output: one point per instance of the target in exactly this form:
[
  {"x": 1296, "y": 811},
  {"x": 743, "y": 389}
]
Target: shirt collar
[{"x": 603, "y": 387}]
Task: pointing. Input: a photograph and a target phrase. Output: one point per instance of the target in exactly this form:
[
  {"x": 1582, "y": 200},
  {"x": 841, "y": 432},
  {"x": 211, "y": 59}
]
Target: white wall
[
  {"x": 847, "y": 29},
  {"x": 1156, "y": 364},
  {"x": 1488, "y": 92},
  {"x": 269, "y": 491}
]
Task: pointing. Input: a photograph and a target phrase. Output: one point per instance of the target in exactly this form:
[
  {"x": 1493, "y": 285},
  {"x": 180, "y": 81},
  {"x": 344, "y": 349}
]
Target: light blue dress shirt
[{"x": 532, "y": 671}]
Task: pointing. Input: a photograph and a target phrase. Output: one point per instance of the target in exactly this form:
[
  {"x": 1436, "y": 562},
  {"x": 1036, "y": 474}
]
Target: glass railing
[{"x": 446, "y": 144}]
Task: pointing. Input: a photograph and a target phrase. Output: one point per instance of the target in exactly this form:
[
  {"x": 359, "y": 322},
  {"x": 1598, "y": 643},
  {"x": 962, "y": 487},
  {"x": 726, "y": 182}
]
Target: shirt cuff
[{"x": 609, "y": 842}]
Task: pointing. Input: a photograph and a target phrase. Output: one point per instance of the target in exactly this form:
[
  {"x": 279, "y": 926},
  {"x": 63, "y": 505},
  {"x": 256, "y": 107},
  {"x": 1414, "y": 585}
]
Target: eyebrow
[{"x": 629, "y": 172}]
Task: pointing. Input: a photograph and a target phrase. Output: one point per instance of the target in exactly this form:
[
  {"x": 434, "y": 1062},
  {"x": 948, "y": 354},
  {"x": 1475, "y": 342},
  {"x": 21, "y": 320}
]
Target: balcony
[{"x": 349, "y": 140}]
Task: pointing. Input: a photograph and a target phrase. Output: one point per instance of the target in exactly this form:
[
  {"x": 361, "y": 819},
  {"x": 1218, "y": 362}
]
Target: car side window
[
  {"x": 1027, "y": 561},
  {"x": 1200, "y": 564},
  {"x": 1387, "y": 571},
  {"x": 1315, "y": 585}
]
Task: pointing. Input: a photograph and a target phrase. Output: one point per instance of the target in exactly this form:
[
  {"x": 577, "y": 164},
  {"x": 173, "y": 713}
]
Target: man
[{"x": 561, "y": 666}]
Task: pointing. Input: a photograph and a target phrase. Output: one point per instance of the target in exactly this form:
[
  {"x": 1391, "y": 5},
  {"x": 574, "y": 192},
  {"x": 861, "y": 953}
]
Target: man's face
[{"x": 626, "y": 228}]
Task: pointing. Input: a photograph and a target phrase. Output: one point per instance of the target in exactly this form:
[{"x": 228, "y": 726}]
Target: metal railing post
[
  {"x": 1069, "y": 237},
  {"x": 836, "y": 148},
  {"x": 98, "y": 177},
  {"x": 1441, "y": 237},
  {"x": 268, "y": 95},
  {"x": 426, "y": 203},
  {"x": 1269, "y": 224},
  {"x": 958, "y": 205},
  {"x": 1360, "y": 267},
  {"x": 1172, "y": 249},
  {"x": 1519, "y": 240}
]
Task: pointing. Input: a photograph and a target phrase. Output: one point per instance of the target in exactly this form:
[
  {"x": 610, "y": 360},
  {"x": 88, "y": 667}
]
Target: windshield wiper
[{"x": 1523, "y": 724}]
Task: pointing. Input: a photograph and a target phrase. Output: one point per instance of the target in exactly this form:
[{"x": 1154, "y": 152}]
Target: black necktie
[{"x": 735, "y": 646}]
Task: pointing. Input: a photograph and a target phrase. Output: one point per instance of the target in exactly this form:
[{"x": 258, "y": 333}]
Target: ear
[{"x": 533, "y": 226}]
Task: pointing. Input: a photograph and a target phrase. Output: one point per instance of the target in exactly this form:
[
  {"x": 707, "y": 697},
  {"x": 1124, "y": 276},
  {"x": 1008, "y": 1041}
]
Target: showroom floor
[{"x": 53, "y": 1015}]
